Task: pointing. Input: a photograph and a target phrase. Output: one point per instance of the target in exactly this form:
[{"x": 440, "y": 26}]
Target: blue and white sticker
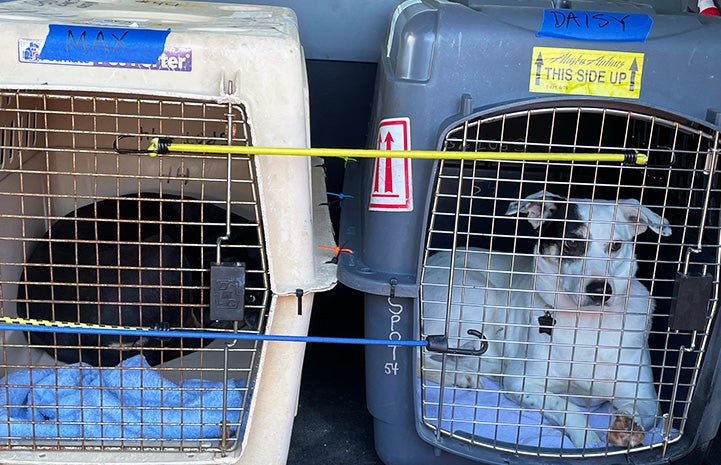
[
  {"x": 595, "y": 25},
  {"x": 178, "y": 59}
]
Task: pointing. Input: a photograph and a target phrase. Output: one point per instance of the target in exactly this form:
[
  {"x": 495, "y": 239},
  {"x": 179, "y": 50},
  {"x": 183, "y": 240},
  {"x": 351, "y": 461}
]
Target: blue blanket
[
  {"x": 130, "y": 401},
  {"x": 492, "y": 417}
]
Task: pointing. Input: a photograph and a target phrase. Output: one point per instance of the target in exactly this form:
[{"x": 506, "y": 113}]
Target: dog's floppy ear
[
  {"x": 644, "y": 217},
  {"x": 538, "y": 207}
]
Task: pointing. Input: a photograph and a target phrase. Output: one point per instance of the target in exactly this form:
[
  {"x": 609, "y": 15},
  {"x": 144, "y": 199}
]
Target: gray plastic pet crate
[{"x": 586, "y": 77}]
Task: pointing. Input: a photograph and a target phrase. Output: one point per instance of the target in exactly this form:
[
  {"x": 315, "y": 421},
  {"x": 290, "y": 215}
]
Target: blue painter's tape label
[
  {"x": 595, "y": 25},
  {"x": 80, "y": 43}
]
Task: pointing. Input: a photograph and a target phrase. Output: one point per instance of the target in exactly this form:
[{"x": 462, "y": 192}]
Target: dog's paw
[{"x": 625, "y": 432}]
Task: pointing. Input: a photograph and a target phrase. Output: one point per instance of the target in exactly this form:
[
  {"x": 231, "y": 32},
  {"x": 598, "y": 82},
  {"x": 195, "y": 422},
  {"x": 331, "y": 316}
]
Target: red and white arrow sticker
[{"x": 392, "y": 180}]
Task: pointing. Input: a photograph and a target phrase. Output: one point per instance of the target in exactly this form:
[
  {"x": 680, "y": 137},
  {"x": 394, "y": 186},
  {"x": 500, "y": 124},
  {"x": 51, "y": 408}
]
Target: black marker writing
[
  {"x": 82, "y": 43},
  {"x": 581, "y": 20}
]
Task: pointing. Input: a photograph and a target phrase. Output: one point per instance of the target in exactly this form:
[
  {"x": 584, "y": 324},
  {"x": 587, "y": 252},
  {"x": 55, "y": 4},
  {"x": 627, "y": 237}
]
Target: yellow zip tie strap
[{"x": 163, "y": 145}]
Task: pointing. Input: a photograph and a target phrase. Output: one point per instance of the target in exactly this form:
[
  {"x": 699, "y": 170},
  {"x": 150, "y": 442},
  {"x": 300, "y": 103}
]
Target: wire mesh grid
[
  {"x": 543, "y": 262},
  {"x": 91, "y": 236}
]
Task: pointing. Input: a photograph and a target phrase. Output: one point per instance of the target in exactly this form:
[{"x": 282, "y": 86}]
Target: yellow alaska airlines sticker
[{"x": 586, "y": 72}]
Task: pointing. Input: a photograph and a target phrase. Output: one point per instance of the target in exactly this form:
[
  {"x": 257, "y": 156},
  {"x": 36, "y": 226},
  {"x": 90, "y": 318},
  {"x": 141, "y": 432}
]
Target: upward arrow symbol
[
  {"x": 539, "y": 65},
  {"x": 388, "y": 177},
  {"x": 388, "y": 140},
  {"x": 633, "y": 68}
]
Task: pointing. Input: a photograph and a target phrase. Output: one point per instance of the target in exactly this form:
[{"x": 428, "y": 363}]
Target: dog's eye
[
  {"x": 571, "y": 247},
  {"x": 615, "y": 246}
]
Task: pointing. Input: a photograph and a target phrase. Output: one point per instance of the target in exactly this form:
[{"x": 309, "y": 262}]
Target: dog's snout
[{"x": 599, "y": 291}]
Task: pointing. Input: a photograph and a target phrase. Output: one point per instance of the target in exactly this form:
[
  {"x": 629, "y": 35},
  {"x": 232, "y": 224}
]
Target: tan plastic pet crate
[{"x": 109, "y": 255}]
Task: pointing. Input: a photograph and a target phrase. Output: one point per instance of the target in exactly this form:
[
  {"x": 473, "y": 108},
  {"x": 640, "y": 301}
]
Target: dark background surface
[{"x": 333, "y": 425}]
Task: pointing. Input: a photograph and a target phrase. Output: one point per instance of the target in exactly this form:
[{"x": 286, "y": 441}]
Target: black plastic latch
[
  {"x": 439, "y": 343},
  {"x": 393, "y": 282},
  {"x": 689, "y": 307},
  {"x": 299, "y": 295},
  {"x": 227, "y": 291}
]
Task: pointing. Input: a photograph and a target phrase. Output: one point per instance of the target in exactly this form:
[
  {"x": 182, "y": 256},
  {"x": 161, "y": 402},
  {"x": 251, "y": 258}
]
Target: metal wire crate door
[
  {"x": 470, "y": 205},
  {"x": 91, "y": 236}
]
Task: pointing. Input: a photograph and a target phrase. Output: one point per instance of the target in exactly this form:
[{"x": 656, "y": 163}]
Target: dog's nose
[{"x": 599, "y": 291}]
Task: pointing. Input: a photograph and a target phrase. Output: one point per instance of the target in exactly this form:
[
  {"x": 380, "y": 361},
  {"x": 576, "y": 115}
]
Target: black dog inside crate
[{"x": 133, "y": 261}]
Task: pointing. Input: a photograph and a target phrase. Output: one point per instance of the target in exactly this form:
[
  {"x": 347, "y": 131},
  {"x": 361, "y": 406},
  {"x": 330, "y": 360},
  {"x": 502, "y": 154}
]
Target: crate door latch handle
[{"x": 439, "y": 343}]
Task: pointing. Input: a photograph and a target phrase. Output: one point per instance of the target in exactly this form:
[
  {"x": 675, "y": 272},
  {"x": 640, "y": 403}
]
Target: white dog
[{"x": 566, "y": 327}]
